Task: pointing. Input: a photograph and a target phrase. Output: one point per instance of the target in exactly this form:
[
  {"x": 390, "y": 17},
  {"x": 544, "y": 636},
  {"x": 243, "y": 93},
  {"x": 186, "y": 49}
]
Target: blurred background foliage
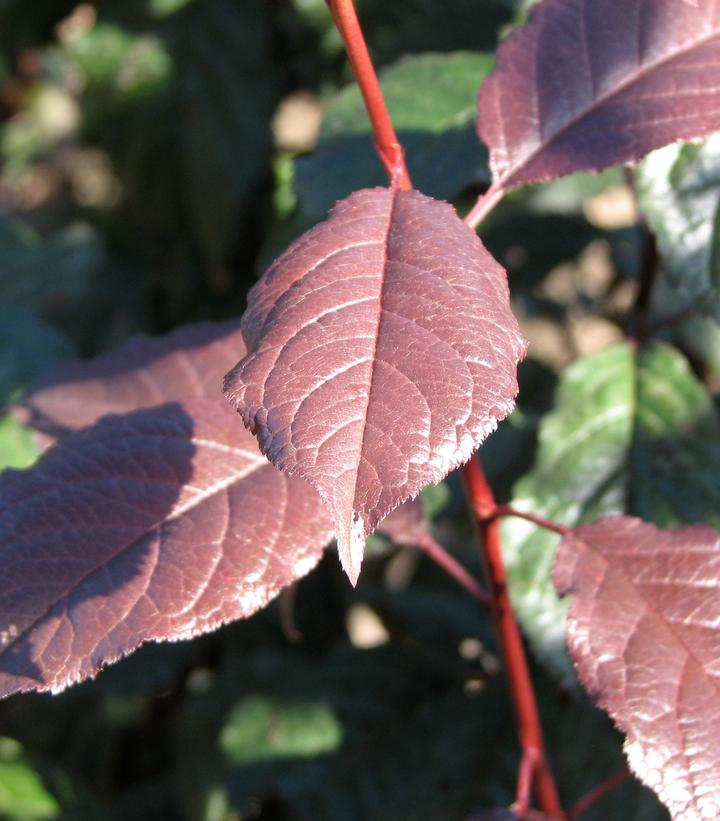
[{"x": 155, "y": 155}]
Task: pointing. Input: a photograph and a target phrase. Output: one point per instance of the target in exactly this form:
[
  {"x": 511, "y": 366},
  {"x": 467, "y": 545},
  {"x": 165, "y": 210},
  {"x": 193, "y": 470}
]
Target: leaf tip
[{"x": 350, "y": 535}]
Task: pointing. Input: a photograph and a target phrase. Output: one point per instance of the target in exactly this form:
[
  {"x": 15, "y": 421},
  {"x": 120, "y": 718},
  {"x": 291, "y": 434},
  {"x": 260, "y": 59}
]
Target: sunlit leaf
[
  {"x": 587, "y": 84},
  {"x": 642, "y": 629},
  {"x": 381, "y": 352}
]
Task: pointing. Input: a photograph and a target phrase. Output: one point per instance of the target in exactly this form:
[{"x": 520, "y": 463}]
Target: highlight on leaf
[
  {"x": 588, "y": 84},
  {"x": 642, "y": 630},
  {"x": 381, "y": 352}
]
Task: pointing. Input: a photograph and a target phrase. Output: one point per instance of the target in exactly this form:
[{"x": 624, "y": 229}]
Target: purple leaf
[
  {"x": 643, "y": 632},
  {"x": 382, "y": 351},
  {"x": 142, "y": 372},
  {"x": 160, "y": 523},
  {"x": 588, "y": 84}
]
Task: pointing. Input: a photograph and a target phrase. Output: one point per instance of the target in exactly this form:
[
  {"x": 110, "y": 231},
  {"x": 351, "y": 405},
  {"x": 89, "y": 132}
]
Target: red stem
[
  {"x": 596, "y": 793},
  {"x": 386, "y": 141},
  {"x": 453, "y": 568},
  {"x": 482, "y": 504},
  {"x": 547, "y": 524},
  {"x": 534, "y": 768},
  {"x": 484, "y": 205}
]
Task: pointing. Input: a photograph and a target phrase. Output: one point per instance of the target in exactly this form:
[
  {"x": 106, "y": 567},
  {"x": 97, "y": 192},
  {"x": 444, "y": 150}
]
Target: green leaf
[
  {"x": 432, "y": 100},
  {"x": 28, "y": 346},
  {"x": 632, "y": 432},
  {"x": 415, "y": 26},
  {"x": 46, "y": 275},
  {"x": 17, "y": 447},
  {"x": 23, "y": 796},
  {"x": 260, "y": 729},
  {"x": 679, "y": 191}
]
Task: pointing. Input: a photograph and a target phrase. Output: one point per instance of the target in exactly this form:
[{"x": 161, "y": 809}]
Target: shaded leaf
[
  {"x": 586, "y": 84},
  {"x": 421, "y": 25},
  {"x": 28, "y": 346},
  {"x": 642, "y": 629},
  {"x": 679, "y": 190},
  {"x": 381, "y": 352},
  {"x": 626, "y": 425},
  {"x": 47, "y": 276},
  {"x": 393, "y": 704},
  {"x": 142, "y": 372}
]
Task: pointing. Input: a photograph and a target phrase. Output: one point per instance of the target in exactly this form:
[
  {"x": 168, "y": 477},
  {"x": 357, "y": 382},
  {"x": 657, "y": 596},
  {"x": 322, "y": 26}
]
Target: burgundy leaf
[
  {"x": 382, "y": 351},
  {"x": 158, "y": 524},
  {"x": 140, "y": 373},
  {"x": 643, "y": 630},
  {"x": 588, "y": 84}
]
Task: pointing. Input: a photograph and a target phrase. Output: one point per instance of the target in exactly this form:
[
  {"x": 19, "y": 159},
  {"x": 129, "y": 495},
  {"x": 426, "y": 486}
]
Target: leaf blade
[
  {"x": 640, "y": 632},
  {"x": 162, "y": 521},
  {"x": 160, "y": 524},
  {"x": 336, "y": 327},
  {"x": 578, "y": 71}
]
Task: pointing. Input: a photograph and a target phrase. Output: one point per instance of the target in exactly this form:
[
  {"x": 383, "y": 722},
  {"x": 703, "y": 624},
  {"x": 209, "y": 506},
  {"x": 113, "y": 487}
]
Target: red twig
[
  {"x": 453, "y": 568},
  {"x": 526, "y": 773},
  {"x": 386, "y": 141},
  {"x": 596, "y": 793},
  {"x": 547, "y": 524},
  {"x": 482, "y": 504},
  {"x": 534, "y": 770}
]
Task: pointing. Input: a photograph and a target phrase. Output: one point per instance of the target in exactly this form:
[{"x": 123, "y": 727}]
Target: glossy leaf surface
[
  {"x": 157, "y": 523},
  {"x": 587, "y": 84},
  {"x": 382, "y": 351},
  {"x": 625, "y": 426},
  {"x": 642, "y": 629},
  {"x": 679, "y": 191}
]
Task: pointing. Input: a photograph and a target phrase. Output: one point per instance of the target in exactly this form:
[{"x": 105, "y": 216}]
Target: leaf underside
[
  {"x": 678, "y": 189},
  {"x": 381, "y": 352},
  {"x": 161, "y": 522},
  {"x": 642, "y": 630},
  {"x": 587, "y": 84}
]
